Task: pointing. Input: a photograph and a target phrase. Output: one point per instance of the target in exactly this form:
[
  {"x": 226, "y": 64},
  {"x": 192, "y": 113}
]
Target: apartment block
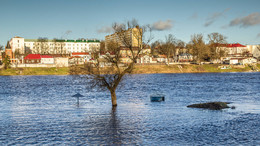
[
  {"x": 54, "y": 46},
  {"x": 131, "y": 37}
]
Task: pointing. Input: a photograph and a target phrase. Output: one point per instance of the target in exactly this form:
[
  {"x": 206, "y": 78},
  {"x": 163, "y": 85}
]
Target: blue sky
[{"x": 238, "y": 20}]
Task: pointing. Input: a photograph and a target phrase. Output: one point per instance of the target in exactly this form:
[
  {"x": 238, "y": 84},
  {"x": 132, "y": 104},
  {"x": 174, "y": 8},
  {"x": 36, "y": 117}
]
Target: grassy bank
[
  {"x": 35, "y": 71},
  {"x": 189, "y": 68},
  {"x": 139, "y": 69}
]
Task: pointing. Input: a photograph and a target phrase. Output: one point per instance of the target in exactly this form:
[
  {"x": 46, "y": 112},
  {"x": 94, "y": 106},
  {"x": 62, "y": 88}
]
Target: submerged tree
[{"x": 120, "y": 55}]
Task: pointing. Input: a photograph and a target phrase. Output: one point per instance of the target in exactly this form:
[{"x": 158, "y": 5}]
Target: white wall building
[
  {"x": 17, "y": 43},
  {"x": 45, "y": 46},
  {"x": 45, "y": 59},
  {"x": 61, "y": 61},
  {"x": 254, "y": 49}
]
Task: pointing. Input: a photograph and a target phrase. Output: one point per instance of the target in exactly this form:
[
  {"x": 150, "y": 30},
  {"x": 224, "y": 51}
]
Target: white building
[
  {"x": 254, "y": 49},
  {"x": 233, "y": 49},
  {"x": 85, "y": 55},
  {"x": 17, "y": 43},
  {"x": 46, "y": 59},
  {"x": 61, "y": 61},
  {"x": 146, "y": 59},
  {"x": 45, "y": 46}
]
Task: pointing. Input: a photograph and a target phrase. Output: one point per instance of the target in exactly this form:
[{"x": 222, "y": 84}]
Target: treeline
[{"x": 202, "y": 49}]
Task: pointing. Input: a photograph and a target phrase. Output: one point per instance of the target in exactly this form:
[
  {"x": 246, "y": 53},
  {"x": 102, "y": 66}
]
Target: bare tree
[
  {"x": 1, "y": 48},
  {"x": 41, "y": 46},
  {"x": 180, "y": 45},
  {"x": 55, "y": 46},
  {"x": 168, "y": 47},
  {"x": 130, "y": 37},
  {"x": 215, "y": 41},
  {"x": 200, "y": 50},
  {"x": 18, "y": 54},
  {"x": 154, "y": 47},
  {"x": 7, "y": 62}
]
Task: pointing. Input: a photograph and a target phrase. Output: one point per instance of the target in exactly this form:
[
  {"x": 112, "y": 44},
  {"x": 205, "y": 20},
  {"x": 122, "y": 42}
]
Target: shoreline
[{"x": 139, "y": 69}]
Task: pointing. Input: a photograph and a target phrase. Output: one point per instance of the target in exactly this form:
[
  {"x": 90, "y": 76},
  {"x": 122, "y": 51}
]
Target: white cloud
[
  {"x": 212, "y": 18},
  {"x": 250, "y": 20},
  {"x": 105, "y": 29},
  {"x": 68, "y": 32},
  {"x": 194, "y": 16},
  {"x": 162, "y": 25},
  {"x": 258, "y": 35}
]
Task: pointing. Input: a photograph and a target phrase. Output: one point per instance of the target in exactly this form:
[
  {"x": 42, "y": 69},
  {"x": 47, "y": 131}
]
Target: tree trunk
[{"x": 113, "y": 97}]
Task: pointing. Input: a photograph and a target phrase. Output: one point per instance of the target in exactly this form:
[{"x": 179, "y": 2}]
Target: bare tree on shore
[
  {"x": 215, "y": 41},
  {"x": 108, "y": 72},
  {"x": 168, "y": 47},
  {"x": 154, "y": 47},
  {"x": 1, "y": 48},
  {"x": 41, "y": 46},
  {"x": 200, "y": 50}
]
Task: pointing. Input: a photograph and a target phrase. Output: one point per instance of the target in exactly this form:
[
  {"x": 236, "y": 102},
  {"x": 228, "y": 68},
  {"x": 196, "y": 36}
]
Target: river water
[{"x": 39, "y": 110}]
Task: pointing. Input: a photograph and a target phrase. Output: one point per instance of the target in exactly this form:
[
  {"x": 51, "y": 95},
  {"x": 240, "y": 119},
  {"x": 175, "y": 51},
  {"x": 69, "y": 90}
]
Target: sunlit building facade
[{"x": 54, "y": 46}]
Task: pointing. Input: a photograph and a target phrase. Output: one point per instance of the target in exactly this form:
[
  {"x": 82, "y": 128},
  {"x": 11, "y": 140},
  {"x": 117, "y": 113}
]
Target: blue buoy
[{"x": 157, "y": 97}]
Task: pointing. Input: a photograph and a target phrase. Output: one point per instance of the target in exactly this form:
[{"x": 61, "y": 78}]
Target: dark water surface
[{"x": 39, "y": 110}]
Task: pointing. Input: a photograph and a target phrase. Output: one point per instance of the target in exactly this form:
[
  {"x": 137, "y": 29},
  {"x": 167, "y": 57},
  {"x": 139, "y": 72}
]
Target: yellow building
[{"x": 131, "y": 37}]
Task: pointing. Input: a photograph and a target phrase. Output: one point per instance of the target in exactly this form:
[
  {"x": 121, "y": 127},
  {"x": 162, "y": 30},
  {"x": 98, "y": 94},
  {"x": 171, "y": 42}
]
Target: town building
[
  {"x": 131, "y": 37},
  {"x": 8, "y": 52},
  {"x": 184, "y": 57},
  {"x": 128, "y": 41},
  {"x": 86, "y": 56},
  {"x": 61, "y": 61},
  {"x": 54, "y": 46},
  {"x": 233, "y": 49},
  {"x": 255, "y": 50},
  {"x": 239, "y": 54},
  {"x": 239, "y": 60},
  {"x": 146, "y": 59},
  {"x": 38, "y": 59}
]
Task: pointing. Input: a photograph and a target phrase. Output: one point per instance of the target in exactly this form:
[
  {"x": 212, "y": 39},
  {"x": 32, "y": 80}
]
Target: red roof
[
  {"x": 233, "y": 45},
  {"x": 46, "y": 56},
  {"x": 104, "y": 53},
  {"x": 33, "y": 56},
  {"x": 74, "y": 57},
  {"x": 37, "y": 56},
  {"x": 80, "y": 53}
]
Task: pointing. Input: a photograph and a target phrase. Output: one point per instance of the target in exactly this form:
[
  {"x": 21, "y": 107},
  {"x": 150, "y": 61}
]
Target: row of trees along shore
[{"x": 110, "y": 77}]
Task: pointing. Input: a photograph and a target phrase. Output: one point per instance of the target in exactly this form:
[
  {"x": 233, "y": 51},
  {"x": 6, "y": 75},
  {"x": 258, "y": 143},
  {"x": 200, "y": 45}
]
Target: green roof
[{"x": 75, "y": 41}]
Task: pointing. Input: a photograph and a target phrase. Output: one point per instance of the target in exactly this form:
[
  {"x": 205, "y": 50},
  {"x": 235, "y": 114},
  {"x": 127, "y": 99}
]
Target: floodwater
[{"x": 39, "y": 110}]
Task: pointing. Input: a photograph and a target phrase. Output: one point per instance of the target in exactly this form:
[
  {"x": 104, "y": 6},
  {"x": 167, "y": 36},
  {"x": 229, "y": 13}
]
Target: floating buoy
[{"x": 157, "y": 97}]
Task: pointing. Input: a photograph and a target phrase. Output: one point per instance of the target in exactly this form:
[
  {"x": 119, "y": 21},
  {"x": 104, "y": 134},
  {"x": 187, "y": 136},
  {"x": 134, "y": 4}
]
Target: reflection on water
[{"x": 39, "y": 110}]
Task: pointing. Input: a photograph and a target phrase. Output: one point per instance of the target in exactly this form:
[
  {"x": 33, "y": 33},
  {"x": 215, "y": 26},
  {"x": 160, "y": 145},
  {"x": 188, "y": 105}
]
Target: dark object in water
[
  {"x": 78, "y": 96},
  {"x": 157, "y": 97},
  {"x": 211, "y": 105}
]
